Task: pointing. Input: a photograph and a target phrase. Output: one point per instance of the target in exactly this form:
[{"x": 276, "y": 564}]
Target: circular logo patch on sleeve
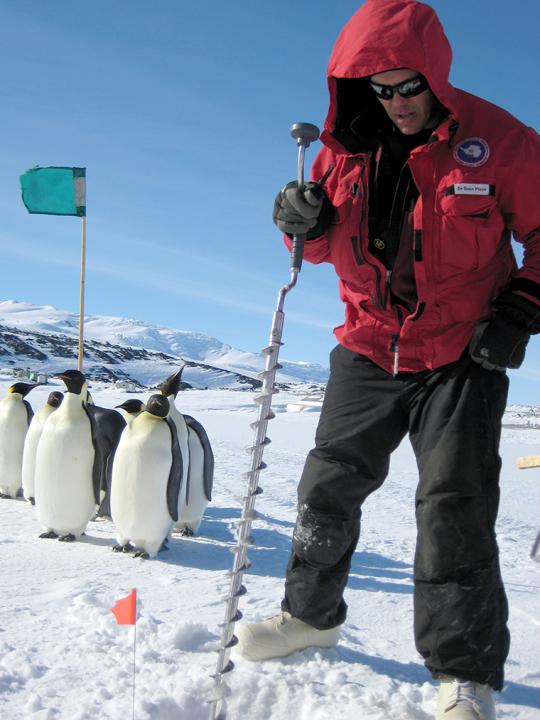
[{"x": 472, "y": 152}]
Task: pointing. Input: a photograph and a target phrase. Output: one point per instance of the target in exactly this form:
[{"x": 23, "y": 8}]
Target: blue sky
[{"x": 181, "y": 112}]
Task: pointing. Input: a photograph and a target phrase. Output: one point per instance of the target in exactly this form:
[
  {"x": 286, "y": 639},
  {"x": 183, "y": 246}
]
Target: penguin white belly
[
  {"x": 13, "y": 429},
  {"x": 30, "y": 450},
  {"x": 192, "y": 510},
  {"x": 63, "y": 479},
  {"x": 140, "y": 475}
]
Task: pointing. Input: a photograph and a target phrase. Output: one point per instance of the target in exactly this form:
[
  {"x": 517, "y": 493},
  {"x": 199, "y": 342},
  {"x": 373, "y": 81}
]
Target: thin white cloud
[
  {"x": 140, "y": 276},
  {"x": 173, "y": 285}
]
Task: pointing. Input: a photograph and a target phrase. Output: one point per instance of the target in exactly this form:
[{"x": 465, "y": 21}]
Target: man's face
[{"x": 409, "y": 115}]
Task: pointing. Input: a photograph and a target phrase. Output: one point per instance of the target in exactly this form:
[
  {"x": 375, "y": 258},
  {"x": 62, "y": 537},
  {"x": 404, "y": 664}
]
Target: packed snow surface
[{"x": 63, "y": 657}]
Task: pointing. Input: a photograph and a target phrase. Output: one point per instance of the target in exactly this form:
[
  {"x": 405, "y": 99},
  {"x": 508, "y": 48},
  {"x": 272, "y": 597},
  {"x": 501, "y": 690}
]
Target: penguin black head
[
  {"x": 55, "y": 399},
  {"x": 158, "y": 405},
  {"x": 74, "y": 380},
  {"x": 171, "y": 385},
  {"x": 22, "y": 388},
  {"x": 132, "y": 406}
]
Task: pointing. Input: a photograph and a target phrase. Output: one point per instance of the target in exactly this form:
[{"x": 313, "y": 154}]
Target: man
[{"x": 424, "y": 186}]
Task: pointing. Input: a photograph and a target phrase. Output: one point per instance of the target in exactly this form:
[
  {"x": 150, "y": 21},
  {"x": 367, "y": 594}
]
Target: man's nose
[{"x": 398, "y": 102}]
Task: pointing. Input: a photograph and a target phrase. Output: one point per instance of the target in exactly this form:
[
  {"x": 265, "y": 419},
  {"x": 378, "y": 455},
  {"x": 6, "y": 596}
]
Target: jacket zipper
[
  {"x": 361, "y": 260},
  {"x": 360, "y": 257},
  {"x": 387, "y": 286},
  {"x": 381, "y": 300},
  {"x": 394, "y": 342},
  {"x": 394, "y": 348}
]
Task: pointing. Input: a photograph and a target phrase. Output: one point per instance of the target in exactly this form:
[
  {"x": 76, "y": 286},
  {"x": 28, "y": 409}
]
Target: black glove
[
  {"x": 306, "y": 212},
  {"x": 500, "y": 343}
]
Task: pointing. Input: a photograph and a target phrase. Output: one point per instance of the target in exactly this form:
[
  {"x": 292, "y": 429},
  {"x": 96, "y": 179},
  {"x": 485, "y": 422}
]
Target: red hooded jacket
[{"x": 478, "y": 177}]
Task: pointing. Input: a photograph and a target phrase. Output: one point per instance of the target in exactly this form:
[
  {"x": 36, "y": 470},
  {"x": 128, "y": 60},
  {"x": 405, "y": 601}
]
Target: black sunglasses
[{"x": 408, "y": 89}]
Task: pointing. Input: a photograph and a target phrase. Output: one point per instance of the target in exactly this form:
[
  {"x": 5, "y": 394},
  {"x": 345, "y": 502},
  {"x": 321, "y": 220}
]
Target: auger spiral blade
[{"x": 304, "y": 134}]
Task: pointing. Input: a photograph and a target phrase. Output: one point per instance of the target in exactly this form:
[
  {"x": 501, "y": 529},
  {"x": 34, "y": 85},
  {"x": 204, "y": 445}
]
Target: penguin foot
[
  {"x": 186, "y": 532},
  {"x": 49, "y": 535},
  {"x": 67, "y": 538},
  {"x": 142, "y": 554},
  {"x": 127, "y": 548}
]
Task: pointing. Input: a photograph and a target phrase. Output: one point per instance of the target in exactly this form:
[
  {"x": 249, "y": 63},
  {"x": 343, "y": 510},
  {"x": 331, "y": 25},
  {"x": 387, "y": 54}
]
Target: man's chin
[{"x": 408, "y": 126}]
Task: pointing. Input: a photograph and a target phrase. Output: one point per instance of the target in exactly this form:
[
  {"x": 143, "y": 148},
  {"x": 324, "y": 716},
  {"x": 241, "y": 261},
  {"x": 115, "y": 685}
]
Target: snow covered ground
[{"x": 62, "y": 656}]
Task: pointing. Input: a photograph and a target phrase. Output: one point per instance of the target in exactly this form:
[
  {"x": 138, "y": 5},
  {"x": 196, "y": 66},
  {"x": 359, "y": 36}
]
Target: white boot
[
  {"x": 464, "y": 700},
  {"x": 279, "y": 636}
]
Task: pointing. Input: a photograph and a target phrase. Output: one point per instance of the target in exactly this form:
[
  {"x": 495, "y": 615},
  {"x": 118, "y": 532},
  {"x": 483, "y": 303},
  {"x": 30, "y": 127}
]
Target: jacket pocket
[
  {"x": 471, "y": 227},
  {"x": 348, "y": 197}
]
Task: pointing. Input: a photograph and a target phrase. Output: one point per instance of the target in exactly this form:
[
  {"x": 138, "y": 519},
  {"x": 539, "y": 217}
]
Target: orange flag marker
[{"x": 125, "y": 609}]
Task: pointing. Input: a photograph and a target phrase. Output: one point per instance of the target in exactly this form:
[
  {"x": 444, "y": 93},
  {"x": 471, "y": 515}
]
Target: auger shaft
[{"x": 304, "y": 134}]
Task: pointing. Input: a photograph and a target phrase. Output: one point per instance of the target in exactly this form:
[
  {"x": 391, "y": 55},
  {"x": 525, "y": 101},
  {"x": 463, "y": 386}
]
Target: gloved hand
[
  {"x": 297, "y": 212},
  {"x": 500, "y": 343}
]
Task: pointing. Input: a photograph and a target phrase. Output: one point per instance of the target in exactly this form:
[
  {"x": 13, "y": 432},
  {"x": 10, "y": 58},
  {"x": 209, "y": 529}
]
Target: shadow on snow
[
  {"x": 269, "y": 555},
  {"x": 518, "y": 694}
]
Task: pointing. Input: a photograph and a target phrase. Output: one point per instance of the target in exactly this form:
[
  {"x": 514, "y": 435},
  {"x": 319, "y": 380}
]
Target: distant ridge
[{"x": 45, "y": 339}]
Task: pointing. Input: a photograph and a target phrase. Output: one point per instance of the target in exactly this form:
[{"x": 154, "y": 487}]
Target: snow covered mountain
[{"x": 45, "y": 339}]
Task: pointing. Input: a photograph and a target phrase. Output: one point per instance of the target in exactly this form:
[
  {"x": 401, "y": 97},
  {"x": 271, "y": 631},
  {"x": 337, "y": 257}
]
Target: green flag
[{"x": 55, "y": 190}]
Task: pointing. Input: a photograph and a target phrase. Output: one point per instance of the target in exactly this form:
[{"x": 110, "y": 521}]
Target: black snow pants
[{"x": 453, "y": 417}]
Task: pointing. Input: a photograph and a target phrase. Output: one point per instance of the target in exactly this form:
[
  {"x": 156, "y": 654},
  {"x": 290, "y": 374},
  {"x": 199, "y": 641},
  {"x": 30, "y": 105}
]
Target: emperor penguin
[
  {"x": 70, "y": 464},
  {"x": 169, "y": 388},
  {"x": 31, "y": 442},
  {"x": 146, "y": 477},
  {"x": 15, "y": 417}
]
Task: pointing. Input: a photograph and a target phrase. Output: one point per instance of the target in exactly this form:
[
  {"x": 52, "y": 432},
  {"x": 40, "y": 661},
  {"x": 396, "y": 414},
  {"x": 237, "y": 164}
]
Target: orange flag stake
[
  {"x": 125, "y": 609},
  {"x": 125, "y": 612}
]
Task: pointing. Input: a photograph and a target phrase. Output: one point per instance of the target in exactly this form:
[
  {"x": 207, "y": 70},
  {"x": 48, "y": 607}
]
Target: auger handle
[{"x": 304, "y": 134}]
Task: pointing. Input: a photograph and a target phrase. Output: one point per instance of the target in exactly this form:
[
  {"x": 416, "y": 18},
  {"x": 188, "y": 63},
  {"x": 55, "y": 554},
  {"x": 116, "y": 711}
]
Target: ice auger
[{"x": 304, "y": 134}]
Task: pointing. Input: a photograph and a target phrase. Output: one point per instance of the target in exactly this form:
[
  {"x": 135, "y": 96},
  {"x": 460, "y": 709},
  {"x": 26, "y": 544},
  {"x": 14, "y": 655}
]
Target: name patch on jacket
[
  {"x": 470, "y": 189},
  {"x": 472, "y": 152}
]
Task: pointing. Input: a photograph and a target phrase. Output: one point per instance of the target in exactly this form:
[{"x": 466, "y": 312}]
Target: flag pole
[
  {"x": 81, "y": 303},
  {"x": 134, "y": 651}
]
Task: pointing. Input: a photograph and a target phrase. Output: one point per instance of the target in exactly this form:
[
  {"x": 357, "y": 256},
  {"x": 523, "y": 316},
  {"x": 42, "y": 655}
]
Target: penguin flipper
[
  {"x": 99, "y": 456},
  {"x": 29, "y": 411},
  {"x": 107, "y": 426},
  {"x": 104, "y": 509},
  {"x": 208, "y": 472},
  {"x": 110, "y": 424},
  {"x": 174, "y": 483}
]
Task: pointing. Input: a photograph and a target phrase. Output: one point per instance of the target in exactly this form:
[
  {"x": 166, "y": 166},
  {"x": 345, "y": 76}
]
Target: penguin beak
[
  {"x": 23, "y": 388},
  {"x": 60, "y": 376},
  {"x": 171, "y": 385}
]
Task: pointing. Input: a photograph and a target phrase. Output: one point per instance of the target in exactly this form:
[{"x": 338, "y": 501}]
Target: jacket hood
[{"x": 384, "y": 35}]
